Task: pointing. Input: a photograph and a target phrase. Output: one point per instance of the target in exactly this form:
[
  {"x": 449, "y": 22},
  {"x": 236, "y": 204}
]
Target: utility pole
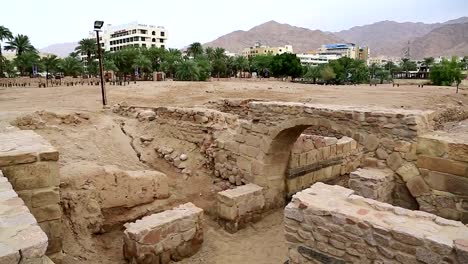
[{"x": 97, "y": 27}]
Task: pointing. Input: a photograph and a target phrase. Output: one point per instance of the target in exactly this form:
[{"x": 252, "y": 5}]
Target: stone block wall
[
  {"x": 329, "y": 224},
  {"x": 373, "y": 183},
  {"x": 89, "y": 191},
  {"x": 31, "y": 165},
  {"x": 318, "y": 158},
  {"x": 240, "y": 206},
  {"x": 441, "y": 186},
  {"x": 21, "y": 239},
  {"x": 164, "y": 237}
]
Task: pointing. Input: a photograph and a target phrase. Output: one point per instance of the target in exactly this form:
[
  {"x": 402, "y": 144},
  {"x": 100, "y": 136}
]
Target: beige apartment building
[{"x": 259, "y": 49}]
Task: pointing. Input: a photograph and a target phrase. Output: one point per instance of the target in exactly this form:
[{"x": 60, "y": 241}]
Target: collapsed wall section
[{"x": 329, "y": 224}]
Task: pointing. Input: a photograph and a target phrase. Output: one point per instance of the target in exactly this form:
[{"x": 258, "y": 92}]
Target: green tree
[
  {"x": 312, "y": 73},
  {"x": 382, "y": 75},
  {"x": 242, "y": 64},
  {"x": 286, "y": 64},
  {"x": 50, "y": 64},
  {"x": 195, "y": 49},
  {"x": 5, "y": 34},
  {"x": 71, "y": 66},
  {"x": 219, "y": 61},
  {"x": 25, "y": 62},
  {"x": 261, "y": 65},
  {"x": 187, "y": 71},
  {"x": 156, "y": 56},
  {"x": 408, "y": 65},
  {"x": 9, "y": 68},
  {"x": 204, "y": 67},
  {"x": 87, "y": 47},
  {"x": 327, "y": 74},
  {"x": 428, "y": 61},
  {"x": 170, "y": 61},
  {"x": 143, "y": 63},
  {"x": 446, "y": 73},
  {"x": 20, "y": 44}
]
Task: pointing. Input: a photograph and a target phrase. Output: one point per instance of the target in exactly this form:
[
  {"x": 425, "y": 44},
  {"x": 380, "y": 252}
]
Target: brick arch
[{"x": 276, "y": 151}]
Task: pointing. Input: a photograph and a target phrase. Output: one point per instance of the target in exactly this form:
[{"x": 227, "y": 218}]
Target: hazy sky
[{"x": 55, "y": 21}]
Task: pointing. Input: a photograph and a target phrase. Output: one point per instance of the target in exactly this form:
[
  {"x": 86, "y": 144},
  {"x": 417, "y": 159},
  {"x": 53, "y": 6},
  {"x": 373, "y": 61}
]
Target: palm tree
[
  {"x": 20, "y": 43},
  {"x": 143, "y": 63},
  {"x": 428, "y": 61},
  {"x": 187, "y": 71},
  {"x": 50, "y": 64},
  {"x": 87, "y": 46},
  {"x": 170, "y": 61},
  {"x": 25, "y": 61},
  {"x": 242, "y": 64},
  {"x": 5, "y": 34},
  {"x": 195, "y": 49},
  {"x": 71, "y": 66}
]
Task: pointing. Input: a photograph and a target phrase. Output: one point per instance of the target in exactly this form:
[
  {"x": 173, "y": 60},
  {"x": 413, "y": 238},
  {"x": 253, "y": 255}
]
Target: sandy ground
[{"x": 100, "y": 139}]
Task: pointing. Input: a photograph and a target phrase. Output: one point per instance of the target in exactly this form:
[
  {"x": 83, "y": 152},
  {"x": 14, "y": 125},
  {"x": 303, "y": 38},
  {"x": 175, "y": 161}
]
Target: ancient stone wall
[
  {"x": 89, "y": 191},
  {"x": 240, "y": 206},
  {"x": 373, "y": 183},
  {"x": 21, "y": 239},
  {"x": 441, "y": 185},
  {"x": 318, "y": 158},
  {"x": 329, "y": 224},
  {"x": 31, "y": 165},
  {"x": 164, "y": 237},
  {"x": 259, "y": 149}
]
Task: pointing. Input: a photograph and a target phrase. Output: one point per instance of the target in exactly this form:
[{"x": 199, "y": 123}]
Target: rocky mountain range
[{"x": 383, "y": 38}]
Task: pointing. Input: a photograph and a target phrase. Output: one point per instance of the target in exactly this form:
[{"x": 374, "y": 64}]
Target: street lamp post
[{"x": 97, "y": 26}]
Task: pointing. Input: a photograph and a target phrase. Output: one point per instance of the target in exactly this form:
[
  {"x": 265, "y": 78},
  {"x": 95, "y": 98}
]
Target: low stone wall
[
  {"x": 89, "y": 190},
  {"x": 160, "y": 238},
  {"x": 373, "y": 183},
  {"x": 318, "y": 158},
  {"x": 21, "y": 239},
  {"x": 240, "y": 206},
  {"x": 329, "y": 224},
  {"x": 441, "y": 186},
  {"x": 31, "y": 165}
]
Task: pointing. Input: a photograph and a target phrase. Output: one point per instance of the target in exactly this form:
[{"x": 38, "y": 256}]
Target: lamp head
[{"x": 98, "y": 24}]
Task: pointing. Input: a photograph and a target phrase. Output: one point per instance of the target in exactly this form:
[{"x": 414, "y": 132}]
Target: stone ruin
[{"x": 386, "y": 159}]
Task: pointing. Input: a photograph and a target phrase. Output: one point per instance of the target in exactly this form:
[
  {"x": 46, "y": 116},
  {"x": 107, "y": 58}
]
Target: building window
[
  {"x": 162, "y": 33},
  {"x": 153, "y": 33},
  {"x": 162, "y": 46},
  {"x": 154, "y": 40},
  {"x": 152, "y": 45},
  {"x": 136, "y": 38},
  {"x": 143, "y": 45},
  {"x": 143, "y": 38},
  {"x": 142, "y": 31},
  {"x": 134, "y": 31},
  {"x": 161, "y": 40}
]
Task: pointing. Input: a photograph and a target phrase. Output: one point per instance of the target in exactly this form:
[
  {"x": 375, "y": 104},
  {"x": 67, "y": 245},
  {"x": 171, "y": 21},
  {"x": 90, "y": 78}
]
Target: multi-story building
[
  {"x": 349, "y": 50},
  {"x": 133, "y": 34},
  {"x": 314, "y": 59},
  {"x": 260, "y": 49},
  {"x": 382, "y": 60}
]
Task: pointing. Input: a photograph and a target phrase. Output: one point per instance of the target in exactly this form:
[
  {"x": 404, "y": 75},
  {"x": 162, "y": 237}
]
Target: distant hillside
[
  {"x": 447, "y": 40},
  {"x": 390, "y": 38},
  {"x": 273, "y": 33},
  {"x": 61, "y": 49}
]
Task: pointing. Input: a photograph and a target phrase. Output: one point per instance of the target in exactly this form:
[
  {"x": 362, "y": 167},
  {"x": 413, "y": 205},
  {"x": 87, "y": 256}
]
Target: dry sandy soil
[{"x": 99, "y": 139}]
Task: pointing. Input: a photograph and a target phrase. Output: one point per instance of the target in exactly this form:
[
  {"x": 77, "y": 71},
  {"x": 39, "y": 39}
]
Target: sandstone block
[
  {"x": 33, "y": 176},
  {"x": 417, "y": 186},
  {"x": 394, "y": 160},
  {"x": 407, "y": 171},
  {"x": 443, "y": 165},
  {"x": 447, "y": 182},
  {"x": 47, "y": 196}
]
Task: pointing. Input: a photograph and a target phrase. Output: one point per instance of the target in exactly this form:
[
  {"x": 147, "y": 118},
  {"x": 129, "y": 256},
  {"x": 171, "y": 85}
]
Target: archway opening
[{"x": 302, "y": 155}]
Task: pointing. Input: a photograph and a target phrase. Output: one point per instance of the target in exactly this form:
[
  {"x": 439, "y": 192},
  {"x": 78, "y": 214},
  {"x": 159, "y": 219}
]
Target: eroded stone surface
[
  {"x": 373, "y": 183},
  {"x": 170, "y": 235},
  {"x": 344, "y": 227}
]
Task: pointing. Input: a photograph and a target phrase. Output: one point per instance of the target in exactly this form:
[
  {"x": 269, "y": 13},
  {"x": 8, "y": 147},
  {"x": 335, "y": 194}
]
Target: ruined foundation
[
  {"x": 164, "y": 237},
  {"x": 329, "y": 224},
  {"x": 240, "y": 206}
]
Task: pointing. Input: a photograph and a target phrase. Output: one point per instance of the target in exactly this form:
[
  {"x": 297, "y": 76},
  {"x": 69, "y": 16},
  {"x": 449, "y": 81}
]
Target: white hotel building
[
  {"x": 308, "y": 59},
  {"x": 133, "y": 34}
]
